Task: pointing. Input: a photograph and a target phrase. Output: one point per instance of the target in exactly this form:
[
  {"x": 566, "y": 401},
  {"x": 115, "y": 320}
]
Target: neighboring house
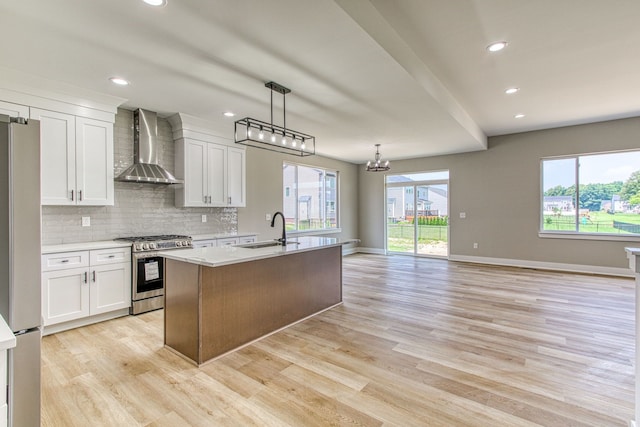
[
  {"x": 551, "y": 204},
  {"x": 615, "y": 204},
  {"x": 431, "y": 200}
]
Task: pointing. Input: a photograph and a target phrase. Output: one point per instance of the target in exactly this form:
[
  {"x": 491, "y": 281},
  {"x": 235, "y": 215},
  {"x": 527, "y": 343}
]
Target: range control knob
[
  {"x": 188, "y": 242},
  {"x": 145, "y": 246},
  {"x": 152, "y": 245},
  {"x": 138, "y": 247},
  {"x": 178, "y": 243}
]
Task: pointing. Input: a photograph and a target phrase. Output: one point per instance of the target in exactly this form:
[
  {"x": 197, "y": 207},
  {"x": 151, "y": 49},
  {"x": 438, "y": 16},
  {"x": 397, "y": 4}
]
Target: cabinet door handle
[
  {"x": 80, "y": 195},
  {"x": 72, "y": 193},
  {"x": 209, "y": 199},
  {"x": 205, "y": 199},
  {"x": 86, "y": 277},
  {"x": 112, "y": 256},
  {"x": 64, "y": 260},
  {"x": 229, "y": 199},
  {"x": 94, "y": 276}
]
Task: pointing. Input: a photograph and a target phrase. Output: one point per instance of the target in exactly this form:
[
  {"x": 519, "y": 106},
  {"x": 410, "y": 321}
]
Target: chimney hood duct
[{"x": 145, "y": 168}]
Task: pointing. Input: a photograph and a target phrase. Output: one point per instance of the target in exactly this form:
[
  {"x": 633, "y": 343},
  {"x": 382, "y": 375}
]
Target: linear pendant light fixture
[
  {"x": 268, "y": 136},
  {"x": 377, "y": 165}
]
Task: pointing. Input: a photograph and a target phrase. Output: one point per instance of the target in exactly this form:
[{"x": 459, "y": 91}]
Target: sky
[{"x": 594, "y": 169}]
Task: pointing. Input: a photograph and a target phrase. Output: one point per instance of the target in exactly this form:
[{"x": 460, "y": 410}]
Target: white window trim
[
  {"x": 294, "y": 189},
  {"x": 577, "y": 235}
]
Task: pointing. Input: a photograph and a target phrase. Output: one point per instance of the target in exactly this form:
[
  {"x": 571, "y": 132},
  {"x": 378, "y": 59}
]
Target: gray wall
[
  {"x": 140, "y": 209},
  {"x": 499, "y": 189},
  {"x": 264, "y": 192}
]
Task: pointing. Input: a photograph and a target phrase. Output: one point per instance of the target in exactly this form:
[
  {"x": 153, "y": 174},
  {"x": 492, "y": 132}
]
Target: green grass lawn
[
  {"x": 400, "y": 236},
  {"x": 598, "y": 222}
]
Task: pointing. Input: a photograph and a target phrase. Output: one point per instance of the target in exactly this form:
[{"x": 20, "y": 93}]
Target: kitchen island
[{"x": 218, "y": 299}]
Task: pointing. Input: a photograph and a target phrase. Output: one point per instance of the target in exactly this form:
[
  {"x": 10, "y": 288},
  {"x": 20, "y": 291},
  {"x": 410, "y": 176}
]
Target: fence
[{"x": 625, "y": 226}]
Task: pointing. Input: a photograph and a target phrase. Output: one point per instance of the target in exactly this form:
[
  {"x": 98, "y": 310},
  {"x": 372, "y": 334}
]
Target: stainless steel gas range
[{"x": 147, "y": 281}]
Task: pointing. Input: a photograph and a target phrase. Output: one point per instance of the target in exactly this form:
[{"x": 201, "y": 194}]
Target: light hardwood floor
[{"x": 417, "y": 342}]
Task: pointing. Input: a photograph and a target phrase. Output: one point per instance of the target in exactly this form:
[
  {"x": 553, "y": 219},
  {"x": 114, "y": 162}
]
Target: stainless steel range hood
[{"x": 145, "y": 168}]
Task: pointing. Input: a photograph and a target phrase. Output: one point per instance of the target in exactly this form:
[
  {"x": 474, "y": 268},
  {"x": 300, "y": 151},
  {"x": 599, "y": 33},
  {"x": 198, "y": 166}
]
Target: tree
[
  {"x": 591, "y": 195},
  {"x": 631, "y": 189}
]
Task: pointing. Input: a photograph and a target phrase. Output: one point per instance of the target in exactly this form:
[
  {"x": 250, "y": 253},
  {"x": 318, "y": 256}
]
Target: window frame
[
  {"x": 323, "y": 203},
  {"x": 577, "y": 234}
]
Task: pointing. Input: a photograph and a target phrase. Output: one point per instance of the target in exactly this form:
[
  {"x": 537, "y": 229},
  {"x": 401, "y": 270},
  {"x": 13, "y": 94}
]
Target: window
[
  {"x": 310, "y": 198},
  {"x": 592, "y": 194}
]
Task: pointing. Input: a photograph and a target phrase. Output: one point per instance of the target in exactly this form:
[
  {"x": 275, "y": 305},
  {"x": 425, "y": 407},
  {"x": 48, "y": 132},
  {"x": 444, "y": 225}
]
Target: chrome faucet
[{"x": 283, "y": 240}]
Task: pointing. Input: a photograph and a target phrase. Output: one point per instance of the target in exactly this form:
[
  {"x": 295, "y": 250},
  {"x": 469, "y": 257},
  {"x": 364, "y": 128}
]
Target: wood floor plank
[{"x": 417, "y": 342}]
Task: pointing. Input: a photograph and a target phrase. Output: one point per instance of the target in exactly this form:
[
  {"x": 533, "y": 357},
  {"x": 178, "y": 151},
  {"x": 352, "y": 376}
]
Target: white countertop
[
  {"x": 7, "y": 339},
  {"x": 218, "y": 256},
  {"x": 84, "y": 246},
  {"x": 198, "y": 237}
]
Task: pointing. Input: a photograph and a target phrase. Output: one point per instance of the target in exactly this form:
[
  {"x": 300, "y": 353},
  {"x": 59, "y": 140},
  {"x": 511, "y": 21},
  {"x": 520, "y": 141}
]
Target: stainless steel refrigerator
[{"x": 20, "y": 247}]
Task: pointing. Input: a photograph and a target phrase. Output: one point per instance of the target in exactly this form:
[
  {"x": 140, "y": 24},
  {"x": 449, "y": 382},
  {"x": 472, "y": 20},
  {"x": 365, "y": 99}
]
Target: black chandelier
[
  {"x": 376, "y": 165},
  {"x": 268, "y": 136}
]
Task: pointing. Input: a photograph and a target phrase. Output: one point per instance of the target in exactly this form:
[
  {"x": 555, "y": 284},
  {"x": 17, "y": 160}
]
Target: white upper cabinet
[
  {"x": 94, "y": 162},
  {"x": 14, "y": 110},
  {"x": 212, "y": 166},
  {"x": 76, "y": 139},
  {"x": 236, "y": 176},
  {"x": 217, "y": 174},
  {"x": 213, "y": 174},
  {"x": 77, "y": 159},
  {"x": 58, "y": 157}
]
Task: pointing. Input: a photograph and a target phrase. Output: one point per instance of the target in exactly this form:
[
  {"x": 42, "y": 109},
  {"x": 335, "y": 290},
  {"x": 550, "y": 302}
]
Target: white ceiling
[{"x": 412, "y": 75}]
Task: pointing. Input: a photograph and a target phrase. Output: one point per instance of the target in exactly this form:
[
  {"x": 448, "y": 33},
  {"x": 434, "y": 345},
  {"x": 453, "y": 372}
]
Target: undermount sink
[{"x": 259, "y": 245}]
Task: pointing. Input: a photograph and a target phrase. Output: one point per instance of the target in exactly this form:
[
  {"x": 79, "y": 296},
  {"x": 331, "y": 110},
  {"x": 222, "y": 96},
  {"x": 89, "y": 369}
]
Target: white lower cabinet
[
  {"x": 229, "y": 241},
  {"x": 224, "y": 241},
  {"x": 85, "y": 283},
  {"x": 246, "y": 239},
  {"x": 204, "y": 243}
]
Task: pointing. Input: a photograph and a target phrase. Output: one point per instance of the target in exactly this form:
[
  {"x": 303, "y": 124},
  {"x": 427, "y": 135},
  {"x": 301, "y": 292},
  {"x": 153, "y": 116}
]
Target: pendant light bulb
[
  {"x": 284, "y": 140},
  {"x": 261, "y": 134},
  {"x": 273, "y": 136}
]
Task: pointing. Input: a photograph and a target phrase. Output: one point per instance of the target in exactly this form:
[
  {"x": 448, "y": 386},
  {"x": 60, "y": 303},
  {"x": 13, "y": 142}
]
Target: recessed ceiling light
[
  {"x": 155, "y": 2},
  {"x": 494, "y": 47},
  {"x": 511, "y": 90},
  {"x": 519, "y": 116},
  {"x": 229, "y": 114},
  {"x": 119, "y": 81}
]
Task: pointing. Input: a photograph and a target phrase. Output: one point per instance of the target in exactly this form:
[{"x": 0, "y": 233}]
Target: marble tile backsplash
[{"x": 139, "y": 209}]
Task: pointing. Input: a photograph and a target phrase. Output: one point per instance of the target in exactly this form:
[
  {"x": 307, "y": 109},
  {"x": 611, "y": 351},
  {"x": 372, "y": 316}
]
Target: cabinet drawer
[
  {"x": 228, "y": 241},
  {"x": 203, "y": 243},
  {"x": 247, "y": 239},
  {"x": 110, "y": 256},
  {"x": 65, "y": 260}
]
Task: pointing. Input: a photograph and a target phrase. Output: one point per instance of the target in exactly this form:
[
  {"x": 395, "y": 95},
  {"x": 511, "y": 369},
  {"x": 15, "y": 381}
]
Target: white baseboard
[
  {"x": 575, "y": 268},
  {"x": 376, "y": 251},
  {"x": 349, "y": 251},
  {"x": 72, "y": 324}
]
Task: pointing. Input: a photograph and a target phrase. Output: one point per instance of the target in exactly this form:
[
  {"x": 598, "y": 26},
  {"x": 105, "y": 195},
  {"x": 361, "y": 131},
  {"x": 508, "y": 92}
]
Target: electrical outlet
[
  {"x": 204, "y": 218},
  {"x": 86, "y": 221},
  {"x": 475, "y": 246},
  {"x": 267, "y": 217},
  {"x": 463, "y": 215}
]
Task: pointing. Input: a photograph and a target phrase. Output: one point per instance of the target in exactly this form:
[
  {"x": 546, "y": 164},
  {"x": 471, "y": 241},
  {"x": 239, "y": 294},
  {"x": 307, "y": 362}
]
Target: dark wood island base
[{"x": 210, "y": 311}]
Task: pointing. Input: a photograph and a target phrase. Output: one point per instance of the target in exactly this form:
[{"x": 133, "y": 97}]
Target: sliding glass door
[{"x": 417, "y": 213}]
